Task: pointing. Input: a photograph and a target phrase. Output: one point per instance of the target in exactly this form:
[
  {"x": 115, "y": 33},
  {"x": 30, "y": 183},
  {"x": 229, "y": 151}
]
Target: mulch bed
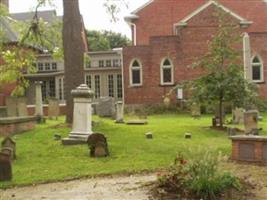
[{"x": 159, "y": 192}]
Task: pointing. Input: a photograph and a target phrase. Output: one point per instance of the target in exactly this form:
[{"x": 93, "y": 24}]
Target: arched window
[
  {"x": 135, "y": 73},
  {"x": 257, "y": 69},
  {"x": 166, "y": 72}
]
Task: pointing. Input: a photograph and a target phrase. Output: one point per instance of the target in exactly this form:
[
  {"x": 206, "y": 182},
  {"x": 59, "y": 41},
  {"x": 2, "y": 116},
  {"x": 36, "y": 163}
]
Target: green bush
[{"x": 197, "y": 173}]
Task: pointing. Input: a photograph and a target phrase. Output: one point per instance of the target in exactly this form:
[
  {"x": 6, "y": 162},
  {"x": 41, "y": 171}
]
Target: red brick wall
[
  {"x": 259, "y": 47},
  {"x": 157, "y": 19},
  {"x": 184, "y": 49},
  {"x": 14, "y": 128},
  {"x": 62, "y": 110}
]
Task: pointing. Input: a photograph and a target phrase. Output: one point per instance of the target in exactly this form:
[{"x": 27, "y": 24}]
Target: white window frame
[
  {"x": 261, "y": 69},
  {"x": 131, "y": 73},
  {"x": 162, "y": 67}
]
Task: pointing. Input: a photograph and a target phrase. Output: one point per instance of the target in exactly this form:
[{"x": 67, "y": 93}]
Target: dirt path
[{"x": 117, "y": 188}]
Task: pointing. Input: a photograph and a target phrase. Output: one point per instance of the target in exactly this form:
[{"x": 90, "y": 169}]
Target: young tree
[{"x": 223, "y": 80}]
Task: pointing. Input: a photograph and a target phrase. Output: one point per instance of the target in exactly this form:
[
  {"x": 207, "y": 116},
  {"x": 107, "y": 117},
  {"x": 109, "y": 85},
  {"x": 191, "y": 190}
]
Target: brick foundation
[
  {"x": 13, "y": 125},
  {"x": 249, "y": 148}
]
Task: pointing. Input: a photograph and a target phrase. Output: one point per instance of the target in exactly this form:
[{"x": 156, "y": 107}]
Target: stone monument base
[{"x": 75, "y": 139}]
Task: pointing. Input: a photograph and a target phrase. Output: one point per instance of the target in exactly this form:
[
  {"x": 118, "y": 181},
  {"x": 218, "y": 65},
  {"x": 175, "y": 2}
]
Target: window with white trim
[
  {"x": 257, "y": 69},
  {"x": 47, "y": 66},
  {"x": 136, "y": 73},
  {"x": 166, "y": 72}
]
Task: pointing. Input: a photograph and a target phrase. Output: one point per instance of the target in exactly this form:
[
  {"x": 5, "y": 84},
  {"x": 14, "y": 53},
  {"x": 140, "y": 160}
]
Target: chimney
[{"x": 6, "y": 3}]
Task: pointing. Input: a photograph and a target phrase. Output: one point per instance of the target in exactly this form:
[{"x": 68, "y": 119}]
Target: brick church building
[{"x": 169, "y": 35}]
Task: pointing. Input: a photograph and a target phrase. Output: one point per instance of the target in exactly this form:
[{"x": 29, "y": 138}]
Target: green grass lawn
[{"x": 41, "y": 159}]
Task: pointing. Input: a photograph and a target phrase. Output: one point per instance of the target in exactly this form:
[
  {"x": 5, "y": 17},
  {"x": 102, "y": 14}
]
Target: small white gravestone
[
  {"x": 180, "y": 94},
  {"x": 38, "y": 99},
  {"x": 119, "y": 112},
  {"x": 82, "y": 116}
]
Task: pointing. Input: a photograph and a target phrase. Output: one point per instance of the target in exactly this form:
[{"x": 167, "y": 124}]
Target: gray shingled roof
[
  {"x": 10, "y": 34},
  {"x": 47, "y": 15}
]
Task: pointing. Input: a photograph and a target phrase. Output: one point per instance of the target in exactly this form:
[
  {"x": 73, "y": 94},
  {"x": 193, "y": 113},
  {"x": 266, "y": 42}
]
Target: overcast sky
[{"x": 94, "y": 14}]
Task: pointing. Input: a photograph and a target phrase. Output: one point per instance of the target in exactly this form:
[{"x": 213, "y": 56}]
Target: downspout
[
  {"x": 134, "y": 32},
  {"x": 247, "y": 57}
]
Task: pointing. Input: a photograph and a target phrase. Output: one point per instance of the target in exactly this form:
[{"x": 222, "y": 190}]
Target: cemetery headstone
[
  {"x": 238, "y": 116},
  {"x": 22, "y": 107},
  {"x": 119, "y": 112},
  {"x": 11, "y": 104},
  {"x": 82, "y": 116},
  {"x": 137, "y": 122},
  {"x": 250, "y": 121},
  {"x": 188, "y": 136},
  {"x": 106, "y": 107},
  {"x": 149, "y": 135},
  {"x": 5, "y": 167},
  {"x": 8, "y": 143},
  {"x": 98, "y": 145},
  {"x": 53, "y": 108}
]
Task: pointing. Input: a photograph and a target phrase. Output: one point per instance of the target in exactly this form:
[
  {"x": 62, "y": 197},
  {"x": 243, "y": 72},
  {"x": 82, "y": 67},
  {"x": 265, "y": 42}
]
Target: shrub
[{"x": 197, "y": 173}]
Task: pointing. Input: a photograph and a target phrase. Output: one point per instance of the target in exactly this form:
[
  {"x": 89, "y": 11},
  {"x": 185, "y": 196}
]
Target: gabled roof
[
  {"x": 205, "y": 6},
  {"x": 180, "y": 10},
  {"x": 142, "y": 7}
]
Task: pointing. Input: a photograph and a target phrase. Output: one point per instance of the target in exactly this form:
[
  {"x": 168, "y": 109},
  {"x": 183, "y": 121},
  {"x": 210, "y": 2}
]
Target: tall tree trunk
[
  {"x": 74, "y": 49},
  {"x": 221, "y": 108},
  {"x": 221, "y": 112}
]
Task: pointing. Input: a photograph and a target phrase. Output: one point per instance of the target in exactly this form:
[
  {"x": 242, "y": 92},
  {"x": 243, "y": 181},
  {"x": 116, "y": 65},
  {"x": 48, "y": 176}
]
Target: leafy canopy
[
  {"x": 223, "y": 80},
  {"x": 106, "y": 40}
]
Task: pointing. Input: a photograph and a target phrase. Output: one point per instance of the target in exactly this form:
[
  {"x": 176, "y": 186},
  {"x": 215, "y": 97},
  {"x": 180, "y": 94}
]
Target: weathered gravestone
[
  {"x": 53, "y": 108},
  {"x": 5, "y": 167},
  {"x": 238, "y": 116},
  {"x": 16, "y": 106},
  {"x": 106, "y": 107},
  {"x": 98, "y": 145},
  {"x": 9, "y": 147},
  {"x": 251, "y": 121},
  {"x": 187, "y": 135},
  {"x": 195, "y": 110},
  {"x": 137, "y": 122},
  {"x": 119, "y": 112},
  {"x": 22, "y": 107},
  {"x": 82, "y": 116},
  {"x": 149, "y": 135},
  {"x": 11, "y": 104}
]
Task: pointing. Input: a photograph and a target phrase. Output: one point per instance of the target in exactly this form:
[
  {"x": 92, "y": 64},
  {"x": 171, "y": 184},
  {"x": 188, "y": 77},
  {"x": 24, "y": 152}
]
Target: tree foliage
[
  {"x": 224, "y": 79},
  {"x": 33, "y": 36},
  {"x": 106, "y": 40}
]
